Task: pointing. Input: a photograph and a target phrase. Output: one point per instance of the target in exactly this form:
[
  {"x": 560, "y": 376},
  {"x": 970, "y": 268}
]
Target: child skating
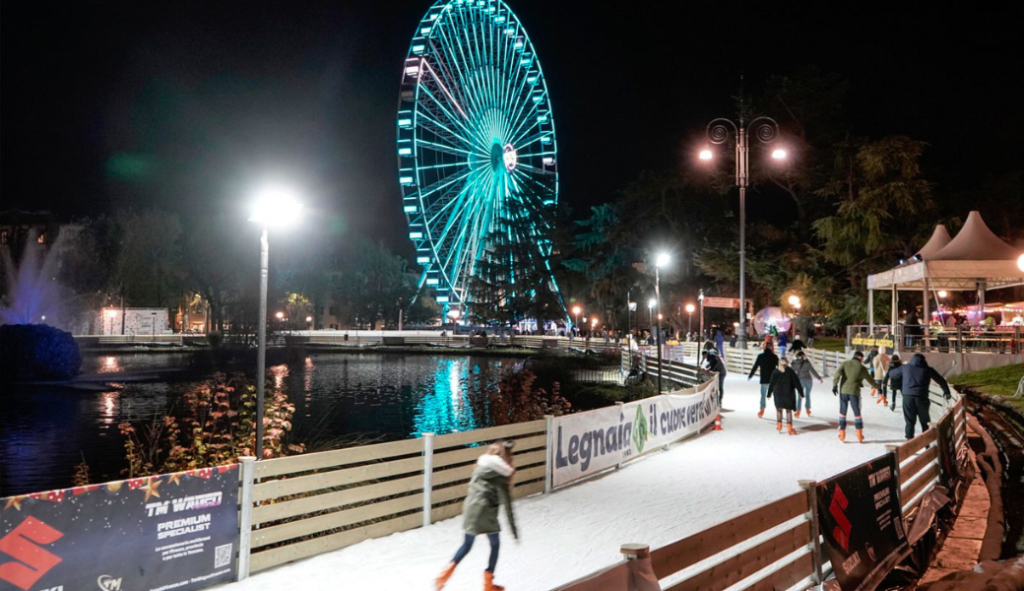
[{"x": 489, "y": 487}]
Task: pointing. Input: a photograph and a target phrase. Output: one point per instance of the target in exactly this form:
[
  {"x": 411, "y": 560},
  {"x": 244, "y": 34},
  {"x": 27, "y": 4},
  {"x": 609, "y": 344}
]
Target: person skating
[
  {"x": 712, "y": 362},
  {"x": 806, "y": 373},
  {"x": 766, "y": 362},
  {"x": 783, "y": 385},
  {"x": 796, "y": 345},
  {"x": 489, "y": 487},
  {"x": 893, "y": 379},
  {"x": 917, "y": 375},
  {"x": 881, "y": 365},
  {"x": 847, "y": 384},
  {"x": 783, "y": 343}
]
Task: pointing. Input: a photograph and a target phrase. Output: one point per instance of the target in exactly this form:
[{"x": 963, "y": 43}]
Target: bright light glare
[
  {"x": 454, "y": 314},
  {"x": 650, "y": 303},
  {"x": 794, "y": 300},
  {"x": 1020, "y": 262},
  {"x": 942, "y": 293},
  {"x": 690, "y": 308},
  {"x": 779, "y": 154},
  {"x": 309, "y": 319},
  {"x": 276, "y": 206},
  {"x": 111, "y": 313},
  {"x": 279, "y": 315},
  {"x": 576, "y": 310},
  {"x": 661, "y": 260},
  {"x": 705, "y": 154}
]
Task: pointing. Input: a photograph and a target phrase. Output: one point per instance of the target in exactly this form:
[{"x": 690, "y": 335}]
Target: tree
[{"x": 148, "y": 269}]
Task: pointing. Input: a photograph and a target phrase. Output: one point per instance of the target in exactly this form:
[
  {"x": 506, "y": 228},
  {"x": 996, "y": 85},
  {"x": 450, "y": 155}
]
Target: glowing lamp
[
  {"x": 778, "y": 154},
  {"x": 276, "y": 206},
  {"x": 705, "y": 154},
  {"x": 650, "y": 303},
  {"x": 111, "y": 313},
  {"x": 1020, "y": 262},
  {"x": 279, "y": 315},
  {"x": 661, "y": 260},
  {"x": 794, "y": 300},
  {"x": 576, "y": 310},
  {"x": 454, "y": 314},
  {"x": 942, "y": 293},
  {"x": 309, "y": 319},
  {"x": 690, "y": 308}
]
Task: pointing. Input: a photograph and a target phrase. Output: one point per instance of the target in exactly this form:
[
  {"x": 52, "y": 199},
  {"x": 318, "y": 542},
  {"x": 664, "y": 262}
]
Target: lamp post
[
  {"x": 700, "y": 302},
  {"x": 659, "y": 261},
  {"x": 689, "y": 318},
  {"x": 576, "y": 312},
  {"x": 765, "y": 129},
  {"x": 277, "y": 207}
]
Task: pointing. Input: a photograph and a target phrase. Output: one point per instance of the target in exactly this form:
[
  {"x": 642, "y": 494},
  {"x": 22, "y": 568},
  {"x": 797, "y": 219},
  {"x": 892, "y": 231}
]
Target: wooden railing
[{"x": 313, "y": 503}]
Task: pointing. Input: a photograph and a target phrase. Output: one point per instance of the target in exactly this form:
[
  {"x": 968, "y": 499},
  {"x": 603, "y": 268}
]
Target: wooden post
[
  {"x": 634, "y": 551},
  {"x": 428, "y": 475},
  {"x": 812, "y": 500},
  {"x": 247, "y": 474},
  {"x": 548, "y": 451}
]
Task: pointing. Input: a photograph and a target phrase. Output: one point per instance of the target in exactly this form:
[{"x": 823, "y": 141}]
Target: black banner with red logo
[
  {"x": 159, "y": 533},
  {"x": 862, "y": 523}
]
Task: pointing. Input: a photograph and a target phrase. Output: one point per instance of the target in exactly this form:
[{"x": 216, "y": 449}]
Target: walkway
[{"x": 655, "y": 500}]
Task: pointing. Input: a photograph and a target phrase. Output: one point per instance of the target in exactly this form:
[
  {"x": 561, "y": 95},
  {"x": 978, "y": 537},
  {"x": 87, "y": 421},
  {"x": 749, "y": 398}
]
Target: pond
[{"x": 46, "y": 431}]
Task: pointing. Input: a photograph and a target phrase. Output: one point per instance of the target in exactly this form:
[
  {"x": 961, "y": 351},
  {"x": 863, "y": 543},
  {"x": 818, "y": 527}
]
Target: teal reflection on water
[{"x": 447, "y": 406}]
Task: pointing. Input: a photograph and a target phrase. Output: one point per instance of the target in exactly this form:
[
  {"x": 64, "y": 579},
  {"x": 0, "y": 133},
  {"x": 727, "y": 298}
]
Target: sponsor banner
[
  {"x": 863, "y": 341},
  {"x": 586, "y": 443},
  {"x": 948, "y": 452},
  {"x": 861, "y": 521},
  {"x": 172, "y": 531}
]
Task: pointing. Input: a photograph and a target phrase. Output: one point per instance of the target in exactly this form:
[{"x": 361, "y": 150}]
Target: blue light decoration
[{"x": 476, "y": 140}]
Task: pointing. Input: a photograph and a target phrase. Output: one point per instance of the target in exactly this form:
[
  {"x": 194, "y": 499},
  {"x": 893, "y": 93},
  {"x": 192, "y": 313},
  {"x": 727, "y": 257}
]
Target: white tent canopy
[{"x": 975, "y": 260}]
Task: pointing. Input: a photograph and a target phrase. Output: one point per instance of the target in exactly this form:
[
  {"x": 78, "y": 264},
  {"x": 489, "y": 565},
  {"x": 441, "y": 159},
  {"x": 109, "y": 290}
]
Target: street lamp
[
  {"x": 274, "y": 206},
  {"x": 1020, "y": 262},
  {"x": 942, "y": 293},
  {"x": 794, "y": 300},
  {"x": 576, "y": 312},
  {"x": 659, "y": 261},
  {"x": 765, "y": 129},
  {"x": 689, "y": 318},
  {"x": 279, "y": 315}
]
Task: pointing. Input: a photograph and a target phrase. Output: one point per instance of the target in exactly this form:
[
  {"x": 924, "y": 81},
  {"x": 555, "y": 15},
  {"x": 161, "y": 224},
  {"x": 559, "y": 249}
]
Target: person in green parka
[
  {"x": 849, "y": 379},
  {"x": 489, "y": 487}
]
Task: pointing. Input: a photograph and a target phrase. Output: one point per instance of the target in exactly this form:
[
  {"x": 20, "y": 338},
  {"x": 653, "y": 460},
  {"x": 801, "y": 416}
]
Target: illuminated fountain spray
[{"x": 30, "y": 291}]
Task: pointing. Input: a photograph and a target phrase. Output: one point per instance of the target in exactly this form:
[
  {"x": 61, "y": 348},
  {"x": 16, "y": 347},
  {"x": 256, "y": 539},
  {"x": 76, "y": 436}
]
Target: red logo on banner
[
  {"x": 19, "y": 545},
  {"x": 843, "y": 527}
]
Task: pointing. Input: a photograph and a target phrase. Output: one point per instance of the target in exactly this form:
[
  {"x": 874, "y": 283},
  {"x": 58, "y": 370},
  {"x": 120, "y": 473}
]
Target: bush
[
  {"x": 37, "y": 353},
  {"x": 516, "y": 400}
]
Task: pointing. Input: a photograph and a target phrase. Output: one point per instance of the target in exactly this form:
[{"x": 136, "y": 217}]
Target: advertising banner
[
  {"x": 863, "y": 341},
  {"x": 949, "y": 470},
  {"x": 173, "y": 531},
  {"x": 586, "y": 443},
  {"x": 861, "y": 521}
]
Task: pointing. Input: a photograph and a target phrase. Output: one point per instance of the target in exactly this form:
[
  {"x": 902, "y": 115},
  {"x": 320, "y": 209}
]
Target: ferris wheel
[{"x": 476, "y": 142}]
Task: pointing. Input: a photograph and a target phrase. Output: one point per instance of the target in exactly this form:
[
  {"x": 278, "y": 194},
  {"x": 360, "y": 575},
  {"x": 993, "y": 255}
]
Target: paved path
[{"x": 655, "y": 500}]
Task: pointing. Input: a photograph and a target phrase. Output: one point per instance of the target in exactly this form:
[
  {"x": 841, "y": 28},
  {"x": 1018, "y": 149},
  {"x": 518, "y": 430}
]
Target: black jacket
[
  {"x": 917, "y": 376},
  {"x": 893, "y": 377},
  {"x": 767, "y": 362},
  {"x": 714, "y": 363},
  {"x": 784, "y": 385}
]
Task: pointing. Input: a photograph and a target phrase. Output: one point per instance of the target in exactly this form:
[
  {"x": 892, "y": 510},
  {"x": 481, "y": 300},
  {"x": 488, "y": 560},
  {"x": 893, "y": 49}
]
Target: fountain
[{"x": 29, "y": 349}]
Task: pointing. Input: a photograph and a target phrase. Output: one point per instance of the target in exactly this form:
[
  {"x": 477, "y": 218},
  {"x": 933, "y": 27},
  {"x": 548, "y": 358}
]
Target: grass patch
[
  {"x": 830, "y": 344},
  {"x": 1000, "y": 381}
]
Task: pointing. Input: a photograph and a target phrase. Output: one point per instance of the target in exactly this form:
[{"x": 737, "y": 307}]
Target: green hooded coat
[
  {"x": 488, "y": 488},
  {"x": 850, "y": 377}
]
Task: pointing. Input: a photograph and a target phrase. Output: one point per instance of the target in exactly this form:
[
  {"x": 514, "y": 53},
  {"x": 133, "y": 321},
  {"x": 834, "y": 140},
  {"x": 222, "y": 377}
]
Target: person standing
[
  {"x": 783, "y": 342},
  {"x": 806, "y": 373},
  {"x": 893, "y": 379},
  {"x": 720, "y": 343},
  {"x": 847, "y": 384},
  {"x": 881, "y": 365},
  {"x": 810, "y": 335},
  {"x": 766, "y": 362},
  {"x": 917, "y": 376},
  {"x": 784, "y": 385},
  {"x": 713, "y": 362},
  {"x": 796, "y": 345},
  {"x": 489, "y": 488}
]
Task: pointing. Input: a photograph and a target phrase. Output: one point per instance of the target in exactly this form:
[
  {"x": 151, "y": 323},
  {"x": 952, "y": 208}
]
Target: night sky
[{"x": 187, "y": 106}]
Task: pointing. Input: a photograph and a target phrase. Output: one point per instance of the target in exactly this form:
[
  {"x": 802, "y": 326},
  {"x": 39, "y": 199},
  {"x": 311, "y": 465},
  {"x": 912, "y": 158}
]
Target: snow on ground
[{"x": 655, "y": 500}]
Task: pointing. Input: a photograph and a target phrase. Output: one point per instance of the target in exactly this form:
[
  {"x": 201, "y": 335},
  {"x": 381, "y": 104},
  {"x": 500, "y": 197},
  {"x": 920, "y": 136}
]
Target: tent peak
[
  {"x": 940, "y": 238},
  {"x": 975, "y": 242}
]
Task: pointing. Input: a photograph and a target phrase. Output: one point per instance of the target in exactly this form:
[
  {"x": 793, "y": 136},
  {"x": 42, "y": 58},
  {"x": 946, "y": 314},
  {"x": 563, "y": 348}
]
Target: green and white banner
[{"x": 586, "y": 443}]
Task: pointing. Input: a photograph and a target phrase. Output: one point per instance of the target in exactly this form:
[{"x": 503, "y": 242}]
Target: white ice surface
[{"x": 655, "y": 500}]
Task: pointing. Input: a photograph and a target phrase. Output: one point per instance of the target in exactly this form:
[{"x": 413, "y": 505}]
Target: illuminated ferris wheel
[{"x": 476, "y": 141}]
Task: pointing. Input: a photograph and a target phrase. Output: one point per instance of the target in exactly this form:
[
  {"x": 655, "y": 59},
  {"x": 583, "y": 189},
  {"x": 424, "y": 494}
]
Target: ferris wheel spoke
[
  {"x": 450, "y": 65},
  {"x": 465, "y": 138},
  {"x": 442, "y": 184}
]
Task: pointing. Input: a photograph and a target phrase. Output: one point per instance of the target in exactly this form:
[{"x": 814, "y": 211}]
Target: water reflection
[{"x": 45, "y": 431}]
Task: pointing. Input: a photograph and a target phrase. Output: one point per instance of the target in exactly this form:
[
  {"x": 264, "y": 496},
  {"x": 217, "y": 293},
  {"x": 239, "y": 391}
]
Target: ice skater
[
  {"x": 784, "y": 385},
  {"x": 847, "y": 384},
  {"x": 766, "y": 362},
  {"x": 712, "y": 362},
  {"x": 881, "y": 366},
  {"x": 893, "y": 380},
  {"x": 916, "y": 377},
  {"x": 489, "y": 487},
  {"x": 806, "y": 373}
]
